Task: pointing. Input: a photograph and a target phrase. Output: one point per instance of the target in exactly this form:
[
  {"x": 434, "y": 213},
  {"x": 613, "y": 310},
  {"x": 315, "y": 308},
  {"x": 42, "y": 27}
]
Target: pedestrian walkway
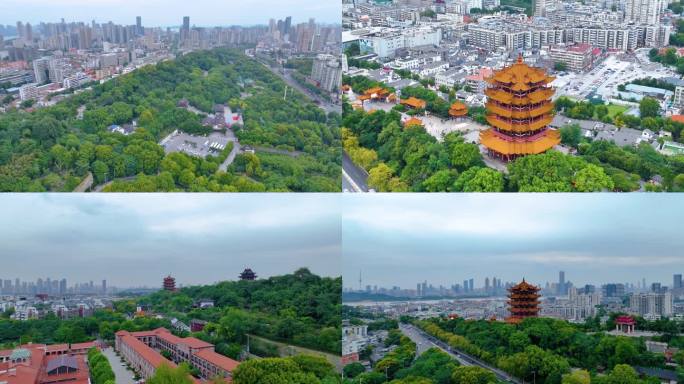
[{"x": 122, "y": 374}]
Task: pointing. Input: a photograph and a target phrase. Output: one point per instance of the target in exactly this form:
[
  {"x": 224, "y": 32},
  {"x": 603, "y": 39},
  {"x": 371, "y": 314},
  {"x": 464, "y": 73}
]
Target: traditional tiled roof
[
  {"x": 223, "y": 362},
  {"x": 413, "y": 121},
  {"x": 458, "y": 109},
  {"x": 414, "y": 103},
  {"x": 520, "y": 76},
  {"x": 548, "y": 139}
]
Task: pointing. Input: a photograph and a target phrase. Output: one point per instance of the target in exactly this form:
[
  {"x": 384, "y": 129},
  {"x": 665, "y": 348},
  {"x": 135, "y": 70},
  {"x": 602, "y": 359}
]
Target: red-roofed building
[
  {"x": 143, "y": 351},
  {"x": 476, "y": 81},
  {"x": 625, "y": 324},
  {"x": 677, "y": 118},
  {"x": 41, "y": 364}
]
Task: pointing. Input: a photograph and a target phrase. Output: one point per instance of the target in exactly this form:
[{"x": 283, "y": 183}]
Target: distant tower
[
  {"x": 360, "y": 281},
  {"x": 138, "y": 26},
  {"x": 169, "y": 284},
  {"x": 523, "y": 302},
  {"x": 248, "y": 274},
  {"x": 185, "y": 30}
]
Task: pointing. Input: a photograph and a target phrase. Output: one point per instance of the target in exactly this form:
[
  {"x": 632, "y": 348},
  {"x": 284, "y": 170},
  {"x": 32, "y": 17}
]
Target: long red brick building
[
  {"x": 45, "y": 364},
  {"x": 142, "y": 350}
]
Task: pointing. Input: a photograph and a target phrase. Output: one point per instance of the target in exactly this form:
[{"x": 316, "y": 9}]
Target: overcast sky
[
  {"x": 595, "y": 238},
  {"x": 136, "y": 239},
  {"x": 170, "y": 12}
]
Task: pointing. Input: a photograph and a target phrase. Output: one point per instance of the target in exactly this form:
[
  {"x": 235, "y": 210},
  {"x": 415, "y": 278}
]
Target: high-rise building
[
  {"x": 138, "y": 26},
  {"x": 643, "y": 11},
  {"x": 523, "y": 302},
  {"x": 104, "y": 286},
  {"x": 327, "y": 72},
  {"x": 613, "y": 290},
  {"x": 40, "y": 70},
  {"x": 652, "y": 304},
  {"x": 62, "y": 286},
  {"x": 287, "y": 25},
  {"x": 28, "y": 33},
  {"x": 519, "y": 111},
  {"x": 185, "y": 30},
  {"x": 677, "y": 281},
  {"x": 561, "y": 283}
]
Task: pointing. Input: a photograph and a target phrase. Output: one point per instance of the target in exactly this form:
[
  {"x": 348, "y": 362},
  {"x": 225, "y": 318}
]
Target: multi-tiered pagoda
[
  {"x": 458, "y": 110},
  {"x": 169, "y": 284},
  {"x": 523, "y": 302},
  {"x": 519, "y": 110},
  {"x": 248, "y": 274}
]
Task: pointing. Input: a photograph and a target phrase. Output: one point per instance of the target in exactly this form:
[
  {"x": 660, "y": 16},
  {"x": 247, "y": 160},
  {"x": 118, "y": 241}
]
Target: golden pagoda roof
[
  {"x": 533, "y": 97},
  {"x": 458, "y": 109},
  {"x": 376, "y": 92},
  {"x": 520, "y": 75},
  {"x": 508, "y": 126},
  {"x": 413, "y": 121},
  {"x": 414, "y": 102},
  {"x": 519, "y": 113},
  {"x": 524, "y": 286}
]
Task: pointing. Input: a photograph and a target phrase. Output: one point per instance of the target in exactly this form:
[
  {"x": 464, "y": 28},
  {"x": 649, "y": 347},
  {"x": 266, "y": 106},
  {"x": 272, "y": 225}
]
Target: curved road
[{"x": 424, "y": 342}]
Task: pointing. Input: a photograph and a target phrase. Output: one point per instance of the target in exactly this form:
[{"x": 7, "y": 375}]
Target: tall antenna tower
[{"x": 360, "y": 286}]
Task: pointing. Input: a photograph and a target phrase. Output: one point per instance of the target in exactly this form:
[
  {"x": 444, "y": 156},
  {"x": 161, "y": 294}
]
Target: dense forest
[
  {"x": 53, "y": 148},
  {"x": 400, "y": 159}
]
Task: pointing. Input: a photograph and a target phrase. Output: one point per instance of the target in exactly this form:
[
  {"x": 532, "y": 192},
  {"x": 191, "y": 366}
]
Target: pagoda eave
[{"x": 547, "y": 140}]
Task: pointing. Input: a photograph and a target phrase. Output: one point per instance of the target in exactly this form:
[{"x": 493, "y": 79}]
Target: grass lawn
[{"x": 614, "y": 109}]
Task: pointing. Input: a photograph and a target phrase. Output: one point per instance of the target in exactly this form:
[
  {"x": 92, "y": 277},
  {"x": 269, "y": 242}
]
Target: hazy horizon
[
  {"x": 400, "y": 240},
  {"x": 169, "y": 13},
  {"x": 136, "y": 240}
]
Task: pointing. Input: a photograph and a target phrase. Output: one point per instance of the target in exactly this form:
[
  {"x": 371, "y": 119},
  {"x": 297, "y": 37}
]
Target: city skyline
[
  {"x": 404, "y": 240},
  {"x": 204, "y": 13},
  {"x": 198, "y": 239}
]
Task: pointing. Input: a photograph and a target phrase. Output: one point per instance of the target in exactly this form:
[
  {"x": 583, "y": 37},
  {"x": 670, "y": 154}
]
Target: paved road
[
  {"x": 424, "y": 342},
  {"x": 354, "y": 178},
  {"x": 236, "y": 149},
  {"x": 122, "y": 375},
  {"x": 323, "y": 104}
]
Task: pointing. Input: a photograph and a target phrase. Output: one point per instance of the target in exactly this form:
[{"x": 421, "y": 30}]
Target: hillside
[{"x": 54, "y": 148}]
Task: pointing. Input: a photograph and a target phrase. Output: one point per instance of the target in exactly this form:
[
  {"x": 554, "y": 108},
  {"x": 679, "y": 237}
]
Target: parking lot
[
  {"x": 607, "y": 75},
  {"x": 200, "y": 146}
]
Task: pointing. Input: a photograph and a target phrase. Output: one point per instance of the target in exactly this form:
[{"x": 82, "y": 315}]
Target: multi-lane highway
[
  {"x": 285, "y": 75},
  {"x": 424, "y": 342}
]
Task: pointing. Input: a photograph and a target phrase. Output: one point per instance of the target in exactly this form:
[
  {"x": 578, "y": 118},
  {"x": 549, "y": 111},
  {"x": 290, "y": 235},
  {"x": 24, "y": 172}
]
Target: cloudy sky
[
  {"x": 170, "y": 12},
  {"x": 135, "y": 240},
  {"x": 595, "y": 238}
]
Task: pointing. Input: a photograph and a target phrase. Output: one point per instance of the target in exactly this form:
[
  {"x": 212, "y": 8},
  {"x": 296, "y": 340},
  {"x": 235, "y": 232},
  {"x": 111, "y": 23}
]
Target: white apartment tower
[{"x": 643, "y": 11}]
